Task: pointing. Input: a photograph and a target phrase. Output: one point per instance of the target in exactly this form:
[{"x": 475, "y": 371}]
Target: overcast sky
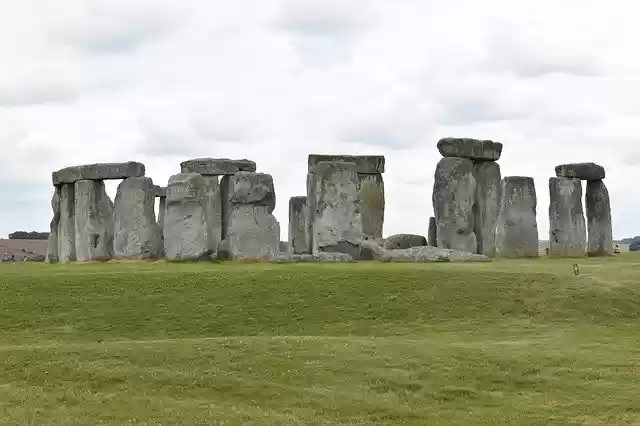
[{"x": 84, "y": 81}]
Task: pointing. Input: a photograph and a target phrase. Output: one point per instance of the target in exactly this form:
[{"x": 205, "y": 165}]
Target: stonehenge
[{"x": 219, "y": 208}]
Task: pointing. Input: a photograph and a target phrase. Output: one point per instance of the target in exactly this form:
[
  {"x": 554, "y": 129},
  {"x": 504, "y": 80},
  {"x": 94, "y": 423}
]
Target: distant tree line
[
  {"x": 33, "y": 235},
  {"x": 634, "y": 243}
]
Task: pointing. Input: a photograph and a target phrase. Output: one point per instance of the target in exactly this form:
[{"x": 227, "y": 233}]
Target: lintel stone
[
  {"x": 217, "y": 166},
  {"x": 365, "y": 164},
  {"x": 583, "y": 171},
  {"x": 100, "y": 171},
  {"x": 473, "y": 149}
]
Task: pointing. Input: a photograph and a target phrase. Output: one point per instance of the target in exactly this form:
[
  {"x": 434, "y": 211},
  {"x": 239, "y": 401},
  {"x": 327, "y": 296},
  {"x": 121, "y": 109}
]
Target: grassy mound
[{"x": 507, "y": 342}]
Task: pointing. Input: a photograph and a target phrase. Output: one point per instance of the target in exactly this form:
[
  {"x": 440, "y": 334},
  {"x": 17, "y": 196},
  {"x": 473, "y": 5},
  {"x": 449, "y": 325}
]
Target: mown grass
[{"x": 506, "y": 342}]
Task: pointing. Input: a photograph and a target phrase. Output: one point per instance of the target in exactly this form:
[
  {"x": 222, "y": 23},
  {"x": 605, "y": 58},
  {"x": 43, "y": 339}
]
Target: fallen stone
[
  {"x": 432, "y": 236},
  {"x": 318, "y": 257},
  {"x": 371, "y": 197},
  {"x": 217, "y": 166},
  {"x": 454, "y": 191},
  {"x": 428, "y": 253},
  {"x": 185, "y": 228},
  {"x": 517, "y": 231},
  {"x": 599, "y": 219},
  {"x": 567, "y": 229},
  {"x": 137, "y": 233},
  {"x": 583, "y": 171},
  {"x": 333, "y": 197},
  {"x": 101, "y": 171},
  {"x": 472, "y": 149},
  {"x": 52, "y": 241},
  {"x": 254, "y": 233},
  {"x": 404, "y": 241},
  {"x": 94, "y": 221},
  {"x": 67, "y": 224},
  {"x": 297, "y": 223},
  {"x": 487, "y": 206},
  {"x": 213, "y": 212},
  {"x": 367, "y": 164},
  {"x": 252, "y": 188}
]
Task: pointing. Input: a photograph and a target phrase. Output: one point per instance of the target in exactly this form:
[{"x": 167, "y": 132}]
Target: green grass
[{"x": 506, "y": 342}]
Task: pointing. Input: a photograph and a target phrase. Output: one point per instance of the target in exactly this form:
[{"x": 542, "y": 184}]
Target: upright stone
[
  {"x": 94, "y": 221},
  {"x": 487, "y": 205},
  {"x": 254, "y": 233},
  {"x": 137, "y": 233},
  {"x": 213, "y": 212},
  {"x": 297, "y": 225},
  {"x": 567, "y": 230},
  {"x": 371, "y": 196},
  {"x": 337, "y": 224},
  {"x": 225, "y": 205},
  {"x": 309, "y": 213},
  {"x": 67, "y": 225},
  {"x": 599, "y": 219},
  {"x": 52, "y": 242},
  {"x": 432, "y": 237},
  {"x": 162, "y": 208},
  {"x": 517, "y": 231},
  {"x": 454, "y": 192},
  {"x": 185, "y": 228}
]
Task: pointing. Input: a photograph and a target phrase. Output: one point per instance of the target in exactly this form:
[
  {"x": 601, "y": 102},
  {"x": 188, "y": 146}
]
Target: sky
[{"x": 163, "y": 81}]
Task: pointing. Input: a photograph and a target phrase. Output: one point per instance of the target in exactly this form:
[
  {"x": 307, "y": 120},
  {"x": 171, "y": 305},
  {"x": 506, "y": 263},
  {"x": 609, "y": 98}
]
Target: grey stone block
[
  {"x": 94, "y": 221},
  {"x": 213, "y": 212},
  {"x": 297, "y": 223},
  {"x": 487, "y": 206},
  {"x": 583, "y": 171},
  {"x": 217, "y": 166},
  {"x": 372, "y": 204},
  {"x": 473, "y": 149},
  {"x": 101, "y": 171},
  {"x": 367, "y": 164},
  {"x": 432, "y": 239},
  {"x": 404, "y": 241},
  {"x": 599, "y": 219},
  {"x": 567, "y": 228},
  {"x": 252, "y": 188},
  {"x": 254, "y": 233},
  {"x": 52, "y": 241},
  {"x": 517, "y": 231},
  {"x": 67, "y": 224}
]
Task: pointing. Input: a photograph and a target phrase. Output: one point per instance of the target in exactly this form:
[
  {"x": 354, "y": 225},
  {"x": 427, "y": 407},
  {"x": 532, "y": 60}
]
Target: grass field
[{"x": 507, "y": 342}]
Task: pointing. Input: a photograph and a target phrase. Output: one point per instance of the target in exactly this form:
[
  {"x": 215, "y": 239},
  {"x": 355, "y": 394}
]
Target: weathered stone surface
[
  {"x": 517, "y": 231},
  {"x": 213, "y": 212},
  {"x": 371, "y": 197},
  {"x": 252, "y": 188},
  {"x": 367, "y": 164},
  {"x": 217, "y": 166},
  {"x": 137, "y": 233},
  {"x": 52, "y": 242},
  {"x": 254, "y": 233},
  {"x": 404, "y": 241},
  {"x": 337, "y": 224},
  {"x": 185, "y": 228},
  {"x": 94, "y": 221},
  {"x": 428, "y": 253},
  {"x": 454, "y": 192},
  {"x": 473, "y": 149},
  {"x": 599, "y": 219},
  {"x": 297, "y": 223},
  {"x": 432, "y": 239},
  {"x": 225, "y": 204},
  {"x": 162, "y": 207},
  {"x": 318, "y": 257},
  {"x": 67, "y": 225},
  {"x": 584, "y": 171},
  {"x": 487, "y": 206},
  {"x": 567, "y": 229},
  {"x": 101, "y": 171},
  {"x": 283, "y": 247},
  {"x": 309, "y": 213},
  {"x": 160, "y": 191}
]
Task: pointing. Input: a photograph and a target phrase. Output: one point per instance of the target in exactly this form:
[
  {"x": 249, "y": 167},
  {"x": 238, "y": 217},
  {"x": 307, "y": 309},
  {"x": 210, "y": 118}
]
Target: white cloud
[{"x": 275, "y": 80}]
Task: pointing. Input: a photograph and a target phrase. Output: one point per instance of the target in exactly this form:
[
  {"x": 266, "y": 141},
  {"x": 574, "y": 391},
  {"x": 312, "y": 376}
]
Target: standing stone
[
  {"x": 297, "y": 225},
  {"x": 567, "y": 229},
  {"x": 432, "y": 238},
  {"x": 67, "y": 225},
  {"x": 94, "y": 221},
  {"x": 371, "y": 197},
  {"x": 599, "y": 219},
  {"x": 185, "y": 228},
  {"x": 52, "y": 242},
  {"x": 487, "y": 205},
  {"x": 137, "y": 233},
  {"x": 225, "y": 205},
  {"x": 453, "y": 200},
  {"x": 517, "y": 232},
  {"x": 337, "y": 224},
  {"x": 213, "y": 212},
  {"x": 162, "y": 208},
  {"x": 309, "y": 213},
  {"x": 254, "y": 233}
]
